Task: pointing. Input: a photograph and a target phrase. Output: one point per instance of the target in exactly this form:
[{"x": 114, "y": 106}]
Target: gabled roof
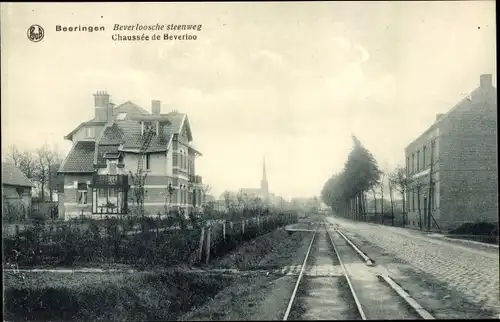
[
  {"x": 13, "y": 176},
  {"x": 130, "y": 108},
  {"x": 461, "y": 103},
  {"x": 123, "y": 135},
  {"x": 178, "y": 121},
  {"x": 132, "y": 138},
  {"x": 91, "y": 122},
  {"x": 80, "y": 159},
  {"x": 112, "y": 135}
]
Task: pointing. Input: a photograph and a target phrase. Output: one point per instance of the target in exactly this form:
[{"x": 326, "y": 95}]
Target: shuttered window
[{"x": 175, "y": 159}]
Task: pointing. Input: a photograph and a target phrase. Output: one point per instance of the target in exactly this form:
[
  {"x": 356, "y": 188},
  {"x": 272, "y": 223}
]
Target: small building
[
  {"x": 452, "y": 166},
  {"x": 16, "y": 189}
]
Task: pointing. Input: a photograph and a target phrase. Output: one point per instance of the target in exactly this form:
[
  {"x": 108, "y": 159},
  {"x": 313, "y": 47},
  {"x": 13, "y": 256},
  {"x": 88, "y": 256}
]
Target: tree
[
  {"x": 42, "y": 171},
  {"x": 138, "y": 192},
  {"x": 28, "y": 165},
  {"x": 13, "y": 156},
  {"x": 382, "y": 189},
  {"x": 391, "y": 196},
  {"x": 345, "y": 192},
  {"x": 205, "y": 190},
  {"x": 52, "y": 160},
  {"x": 374, "y": 192},
  {"x": 400, "y": 183}
]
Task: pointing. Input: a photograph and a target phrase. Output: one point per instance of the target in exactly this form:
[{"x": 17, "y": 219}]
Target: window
[
  {"x": 423, "y": 156},
  {"x": 175, "y": 159},
  {"x": 109, "y": 201},
  {"x": 412, "y": 162},
  {"x": 418, "y": 160},
  {"x": 89, "y": 132},
  {"x": 20, "y": 191},
  {"x": 433, "y": 151},
  {"x": 82, "y": 194},
  {"x": 101, "y": 193},
  {"x": 408, "y": 167},
  {"x": 147, "y": 161},
  {"x": 112, "y": 168},
  {"x": 121, "y": 116}
]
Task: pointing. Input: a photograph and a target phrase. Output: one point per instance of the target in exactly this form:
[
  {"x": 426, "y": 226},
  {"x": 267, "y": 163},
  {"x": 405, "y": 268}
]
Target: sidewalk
[{"x": 427, "y": 234}]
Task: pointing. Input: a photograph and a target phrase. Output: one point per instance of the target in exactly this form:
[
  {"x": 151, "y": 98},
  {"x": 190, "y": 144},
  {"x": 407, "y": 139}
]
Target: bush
[
  {"x": 115, "y": 240},
  {"x": 481, "y": 228}
]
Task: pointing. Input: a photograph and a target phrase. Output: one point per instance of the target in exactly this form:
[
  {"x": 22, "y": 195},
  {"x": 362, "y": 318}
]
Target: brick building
[
  {"x": 462, "y": 147},
  {"x": 106, "y": 150}
]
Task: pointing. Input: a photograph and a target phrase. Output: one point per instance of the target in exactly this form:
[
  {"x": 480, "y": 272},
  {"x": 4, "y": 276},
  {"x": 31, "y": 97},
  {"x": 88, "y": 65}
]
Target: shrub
[{"x": 481, "y": 228}]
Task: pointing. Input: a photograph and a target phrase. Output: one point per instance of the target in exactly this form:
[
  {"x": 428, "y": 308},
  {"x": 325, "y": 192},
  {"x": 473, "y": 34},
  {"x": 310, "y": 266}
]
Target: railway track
[{"x": 338, "y": 281}]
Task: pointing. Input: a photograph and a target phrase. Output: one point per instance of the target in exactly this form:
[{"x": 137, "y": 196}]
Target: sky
[{"x": 288, "y": 82}]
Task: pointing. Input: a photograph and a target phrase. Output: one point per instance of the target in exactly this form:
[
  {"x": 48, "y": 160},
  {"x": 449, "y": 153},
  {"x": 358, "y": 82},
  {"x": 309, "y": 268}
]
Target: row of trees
[
  {"x": 40, "y": 166},
  {"x": 345, "y": 192}
]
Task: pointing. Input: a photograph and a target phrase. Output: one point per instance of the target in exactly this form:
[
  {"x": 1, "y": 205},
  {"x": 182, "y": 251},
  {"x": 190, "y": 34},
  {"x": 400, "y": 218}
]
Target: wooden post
[
  {"x": 231, "y": 224},
  {"x": 242, "y": 227},
  {"x": 209, "y": 231},
  {"x": 202, "y": 236},
  {"x": 258, "y": 224}
]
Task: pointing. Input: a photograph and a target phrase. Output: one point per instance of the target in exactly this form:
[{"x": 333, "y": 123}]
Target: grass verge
[
  {"x": 107, "y": 297},
  {"x": 271, "y": 251}
]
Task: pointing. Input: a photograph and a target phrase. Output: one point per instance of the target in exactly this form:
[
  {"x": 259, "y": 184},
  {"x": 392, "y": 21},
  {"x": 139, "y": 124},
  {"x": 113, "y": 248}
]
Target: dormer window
[
  {"x": 121, "y": 116},
  {"x": 89, "y": 132},
  {"x": 145, "y": 126}
]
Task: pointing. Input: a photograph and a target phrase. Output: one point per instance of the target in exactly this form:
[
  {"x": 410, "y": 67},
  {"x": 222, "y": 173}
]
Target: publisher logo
[{"x": 35, "y": 33}]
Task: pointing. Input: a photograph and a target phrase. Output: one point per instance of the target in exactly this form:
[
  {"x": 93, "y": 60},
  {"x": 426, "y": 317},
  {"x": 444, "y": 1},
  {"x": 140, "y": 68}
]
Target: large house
[
  {"x": 461, "y": 149},
  {"x": 117, "y": 144},
  {"x": 16, "y": 187}
]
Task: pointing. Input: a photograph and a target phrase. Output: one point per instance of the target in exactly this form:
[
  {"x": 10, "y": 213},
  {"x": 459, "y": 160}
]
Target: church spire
[
  {"x": 264, "y": 176},
  {"x": 264, "y": 187}
]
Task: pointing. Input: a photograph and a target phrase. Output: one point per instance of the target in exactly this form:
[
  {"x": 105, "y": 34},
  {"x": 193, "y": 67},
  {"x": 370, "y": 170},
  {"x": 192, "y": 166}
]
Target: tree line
[
  {"x": 40, "y": 166},
  {"x": 346, "y": 191}
]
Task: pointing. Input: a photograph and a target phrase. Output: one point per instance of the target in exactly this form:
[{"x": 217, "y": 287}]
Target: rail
[
  {"x": 353, "y": 292},
  {"x": 290, "y": 303},
  {"x": 387, "y": 279}
]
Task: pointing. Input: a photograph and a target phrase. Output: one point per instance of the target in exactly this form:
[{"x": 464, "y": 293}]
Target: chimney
[
  {"x": 439, "y": 116},
  {"x": 101, "y": 101},
  {"x": 155, "y": 107},
  {"x": 485, "y": 80},
  {"x": 109, "y": 112}
]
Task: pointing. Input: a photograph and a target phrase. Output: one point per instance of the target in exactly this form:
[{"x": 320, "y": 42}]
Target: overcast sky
[{"x": 288, "y": 81}]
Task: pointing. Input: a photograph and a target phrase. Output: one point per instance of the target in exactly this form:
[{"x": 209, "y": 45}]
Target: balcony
[
  {"x": 109, "y": 180},
  {"x": 195, "y": 179}
]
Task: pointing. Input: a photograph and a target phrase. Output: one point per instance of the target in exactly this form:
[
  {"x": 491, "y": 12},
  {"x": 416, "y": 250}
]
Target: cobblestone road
[{"x": 473, "y": 272}]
